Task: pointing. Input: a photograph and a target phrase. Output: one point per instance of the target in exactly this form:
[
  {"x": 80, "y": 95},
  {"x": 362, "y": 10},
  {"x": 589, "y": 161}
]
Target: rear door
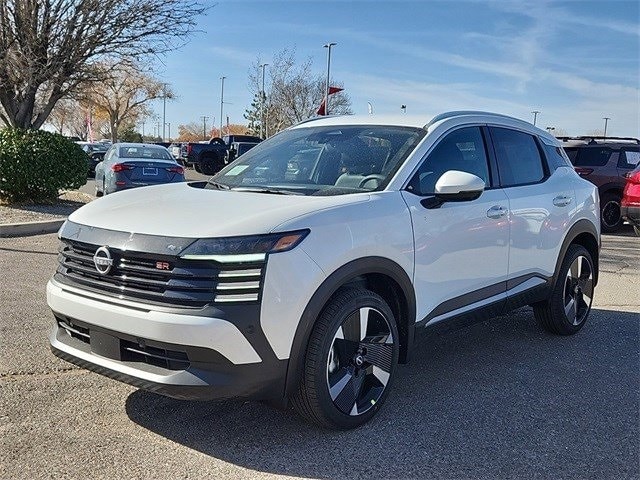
[{"x": 541, "y": 200}]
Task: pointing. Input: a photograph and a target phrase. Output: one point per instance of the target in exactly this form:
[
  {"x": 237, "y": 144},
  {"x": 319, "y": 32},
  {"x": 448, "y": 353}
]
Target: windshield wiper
[
  {"x": 219, "y": 186},
  {"x": 275, "y": 191}
]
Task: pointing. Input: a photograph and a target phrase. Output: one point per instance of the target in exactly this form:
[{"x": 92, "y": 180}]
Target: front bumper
[{"x": 180, "y": 355}]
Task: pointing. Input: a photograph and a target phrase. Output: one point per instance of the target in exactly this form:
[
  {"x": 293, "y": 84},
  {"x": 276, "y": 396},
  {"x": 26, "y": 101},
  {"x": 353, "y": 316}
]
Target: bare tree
[
  {"x": 293, "y": 93},
  {"x": 124, "y": 96},
  {"x": 49, "y": 48}
]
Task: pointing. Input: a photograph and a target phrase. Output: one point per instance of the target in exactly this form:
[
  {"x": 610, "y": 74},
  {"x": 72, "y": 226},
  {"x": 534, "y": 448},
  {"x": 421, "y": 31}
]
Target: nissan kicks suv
[
  {"x": 300, "y": 272},
  {"x": 605, "y": 162}
]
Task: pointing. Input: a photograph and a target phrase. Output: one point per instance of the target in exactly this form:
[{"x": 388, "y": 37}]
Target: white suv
[{"x": 301, "y": 271}]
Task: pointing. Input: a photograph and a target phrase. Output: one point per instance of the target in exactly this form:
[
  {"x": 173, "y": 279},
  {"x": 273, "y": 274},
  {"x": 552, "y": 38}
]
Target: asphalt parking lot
[{"x": 500, "y": 399}]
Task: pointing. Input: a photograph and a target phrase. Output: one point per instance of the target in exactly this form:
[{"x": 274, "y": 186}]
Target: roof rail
[
  {"x": 457, "y": 113},
  {"x": 603, "y": 138}
]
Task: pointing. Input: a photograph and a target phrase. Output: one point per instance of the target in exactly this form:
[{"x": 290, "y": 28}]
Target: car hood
[{"x": 182, "y": 210}]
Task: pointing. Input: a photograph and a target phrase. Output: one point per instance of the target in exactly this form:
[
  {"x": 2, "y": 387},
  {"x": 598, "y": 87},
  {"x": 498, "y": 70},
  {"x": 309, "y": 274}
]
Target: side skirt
[{"x": 515, "y": 293}]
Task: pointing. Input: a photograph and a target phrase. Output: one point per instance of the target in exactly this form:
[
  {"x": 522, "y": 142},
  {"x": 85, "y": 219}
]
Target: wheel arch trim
[
  {"x": 581, "y": 227},
  {"x": 336, "y": 280}
]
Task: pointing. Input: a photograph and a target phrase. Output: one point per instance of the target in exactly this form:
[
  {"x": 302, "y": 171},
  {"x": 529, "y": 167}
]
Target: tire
[
  {"x": 347, "y": 375},
  {"x": 610, "y": 214},
  {"x": 567, "y": 309},
  {"x": 196, "y": 167},
  {"x": 211, "y": 164},
  {"x": 99, "y": 193}
]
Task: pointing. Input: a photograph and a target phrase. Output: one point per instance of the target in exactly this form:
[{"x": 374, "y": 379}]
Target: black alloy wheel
[
  {"x": 566, "y": 310},
  {"x": 350, "y": 361},
  {"x": 360, "y": 361}
]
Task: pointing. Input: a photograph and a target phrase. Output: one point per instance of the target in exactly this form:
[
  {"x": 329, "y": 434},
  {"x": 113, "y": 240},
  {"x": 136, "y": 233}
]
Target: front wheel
[
  {"x": 350, "y": 361},
  {"x": 567, "y": 309}
]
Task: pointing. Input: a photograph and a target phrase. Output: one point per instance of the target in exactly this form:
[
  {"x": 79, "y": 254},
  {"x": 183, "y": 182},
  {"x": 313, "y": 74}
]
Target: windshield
[{"x": 322, "y": 160}]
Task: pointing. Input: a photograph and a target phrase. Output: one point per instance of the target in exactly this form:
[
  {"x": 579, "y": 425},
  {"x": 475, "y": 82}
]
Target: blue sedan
[{"x": 130, "y": 165}]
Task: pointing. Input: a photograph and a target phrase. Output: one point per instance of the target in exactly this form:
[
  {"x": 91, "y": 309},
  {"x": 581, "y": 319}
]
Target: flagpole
[{"x": 328, "y": 47}]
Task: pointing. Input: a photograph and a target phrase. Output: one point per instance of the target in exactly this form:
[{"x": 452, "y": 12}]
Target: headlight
[{"x": 252, "y": 248}]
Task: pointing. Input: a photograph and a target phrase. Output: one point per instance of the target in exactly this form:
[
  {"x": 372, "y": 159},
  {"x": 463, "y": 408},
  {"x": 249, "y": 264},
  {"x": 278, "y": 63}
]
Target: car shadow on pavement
[{"x": 497, "y": 399}]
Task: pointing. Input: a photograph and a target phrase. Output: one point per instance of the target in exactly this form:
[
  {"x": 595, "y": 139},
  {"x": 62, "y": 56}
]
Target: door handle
[
  {"x": 497, "y": 211},
  {"x": 562, "y": 201}
]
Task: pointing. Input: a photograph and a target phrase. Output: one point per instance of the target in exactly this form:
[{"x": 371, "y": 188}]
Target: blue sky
[{"x": 575, "y": 61}]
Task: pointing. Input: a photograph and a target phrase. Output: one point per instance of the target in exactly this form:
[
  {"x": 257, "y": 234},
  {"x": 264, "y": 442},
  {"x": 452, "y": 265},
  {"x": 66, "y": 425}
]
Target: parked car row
[
  {"x": 605, "y": 162},
  {"x": 210, "y": 157}
]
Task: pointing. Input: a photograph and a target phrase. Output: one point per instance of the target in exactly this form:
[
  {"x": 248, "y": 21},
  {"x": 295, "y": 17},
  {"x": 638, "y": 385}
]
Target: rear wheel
[
  {"x": 567, "y": 309},
  {"x": 350, "y": 361},
  {"x": 610, "y": 214}
]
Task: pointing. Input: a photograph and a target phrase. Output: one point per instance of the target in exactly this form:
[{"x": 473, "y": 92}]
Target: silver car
[{"x": 130, "y": 165}]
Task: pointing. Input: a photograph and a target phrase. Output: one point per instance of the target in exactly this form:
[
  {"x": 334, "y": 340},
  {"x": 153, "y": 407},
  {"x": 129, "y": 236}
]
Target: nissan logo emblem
[{"x": 102, "y": 260}]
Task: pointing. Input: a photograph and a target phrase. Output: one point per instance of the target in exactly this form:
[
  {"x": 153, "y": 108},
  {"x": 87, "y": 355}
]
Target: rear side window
[
  {"x": 592, "y": 156},
  {"x": 519, "y": 160},
  {"x": 556, "y": 157},
  {"x": 629, "y": 158}
]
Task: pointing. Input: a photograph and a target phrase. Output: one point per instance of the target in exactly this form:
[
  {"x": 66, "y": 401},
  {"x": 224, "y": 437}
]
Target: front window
[{"x": 326, "y": 160}]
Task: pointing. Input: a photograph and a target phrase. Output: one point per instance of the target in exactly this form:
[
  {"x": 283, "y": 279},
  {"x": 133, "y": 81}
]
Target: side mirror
[{"x": 455, "y": 186}]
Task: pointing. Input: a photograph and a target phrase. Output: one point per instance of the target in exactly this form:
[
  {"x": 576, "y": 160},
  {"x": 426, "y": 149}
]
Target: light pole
[
  {"x": 550, "y": 129},
  {"x": 204, "y": 126},
  {"x": 221, "y": 103},
  {"x": 606, "y": 121},
  {"x": 535, "y": 116},
  {"x": 164, "y": 109},
  {"x": 143, "y": 131},
  {"x": 169, "y": 129},
  {"x": 328, "y": 47},
  {"x": 262, "y": 99}
]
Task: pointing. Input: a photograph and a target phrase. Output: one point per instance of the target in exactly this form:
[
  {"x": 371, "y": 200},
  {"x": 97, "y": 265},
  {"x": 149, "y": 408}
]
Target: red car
[{"x": 630, "y": 205}]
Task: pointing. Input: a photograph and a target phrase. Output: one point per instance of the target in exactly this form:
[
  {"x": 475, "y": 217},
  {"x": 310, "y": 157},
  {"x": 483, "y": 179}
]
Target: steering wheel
[{"x": 375, "y": 176}]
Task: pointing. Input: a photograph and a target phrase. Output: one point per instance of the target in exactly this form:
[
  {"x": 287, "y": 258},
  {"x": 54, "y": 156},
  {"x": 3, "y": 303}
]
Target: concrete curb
[{"x": 30, "y": 228}]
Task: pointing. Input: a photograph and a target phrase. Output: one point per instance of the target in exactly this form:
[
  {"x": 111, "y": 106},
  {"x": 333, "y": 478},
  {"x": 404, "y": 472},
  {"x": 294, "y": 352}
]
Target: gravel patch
[{"x": 33, "y": 212}]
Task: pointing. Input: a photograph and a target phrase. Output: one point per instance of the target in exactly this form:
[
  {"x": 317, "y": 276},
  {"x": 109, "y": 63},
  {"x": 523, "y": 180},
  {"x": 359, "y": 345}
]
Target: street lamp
[
  {"x": 550, "y": 129},
  {"x": 606, "y": 121},
  {"x": 262, "y": 99},
  {"x": 169, "y": 129},
  {"x": 164, "y": 109},
  {"x": 221, "y": 103},
  {"x": 328, "y": 47},
  {"x": 535, "y": 116}
]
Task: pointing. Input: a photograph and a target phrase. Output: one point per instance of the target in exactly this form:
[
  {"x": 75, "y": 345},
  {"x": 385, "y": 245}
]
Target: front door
[{"x": 461, "y": 248}]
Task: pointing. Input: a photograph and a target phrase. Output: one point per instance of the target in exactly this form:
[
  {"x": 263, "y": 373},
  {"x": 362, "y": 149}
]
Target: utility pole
[
  {"x": 328, "y": 47},
  {"x": 221, "y": 104},
  {"x": 262, "y": 99},
  {"x": 606, "y": 122},
  {"x": 204, "y": 126},
  {"x": 158, "y": 123},
  {"x": 535, "y": 116}
]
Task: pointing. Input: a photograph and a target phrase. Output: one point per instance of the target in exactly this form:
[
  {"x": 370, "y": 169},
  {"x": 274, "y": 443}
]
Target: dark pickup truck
[{"x": 210, "y": 158}]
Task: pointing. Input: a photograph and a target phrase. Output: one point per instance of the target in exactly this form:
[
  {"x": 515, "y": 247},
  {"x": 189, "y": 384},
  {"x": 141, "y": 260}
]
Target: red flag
[{"x": 332, "y": 90}]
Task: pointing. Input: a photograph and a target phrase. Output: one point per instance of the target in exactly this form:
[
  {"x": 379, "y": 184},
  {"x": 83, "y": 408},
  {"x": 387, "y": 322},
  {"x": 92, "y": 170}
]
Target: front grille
[{"x": 160, "y": 279}]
